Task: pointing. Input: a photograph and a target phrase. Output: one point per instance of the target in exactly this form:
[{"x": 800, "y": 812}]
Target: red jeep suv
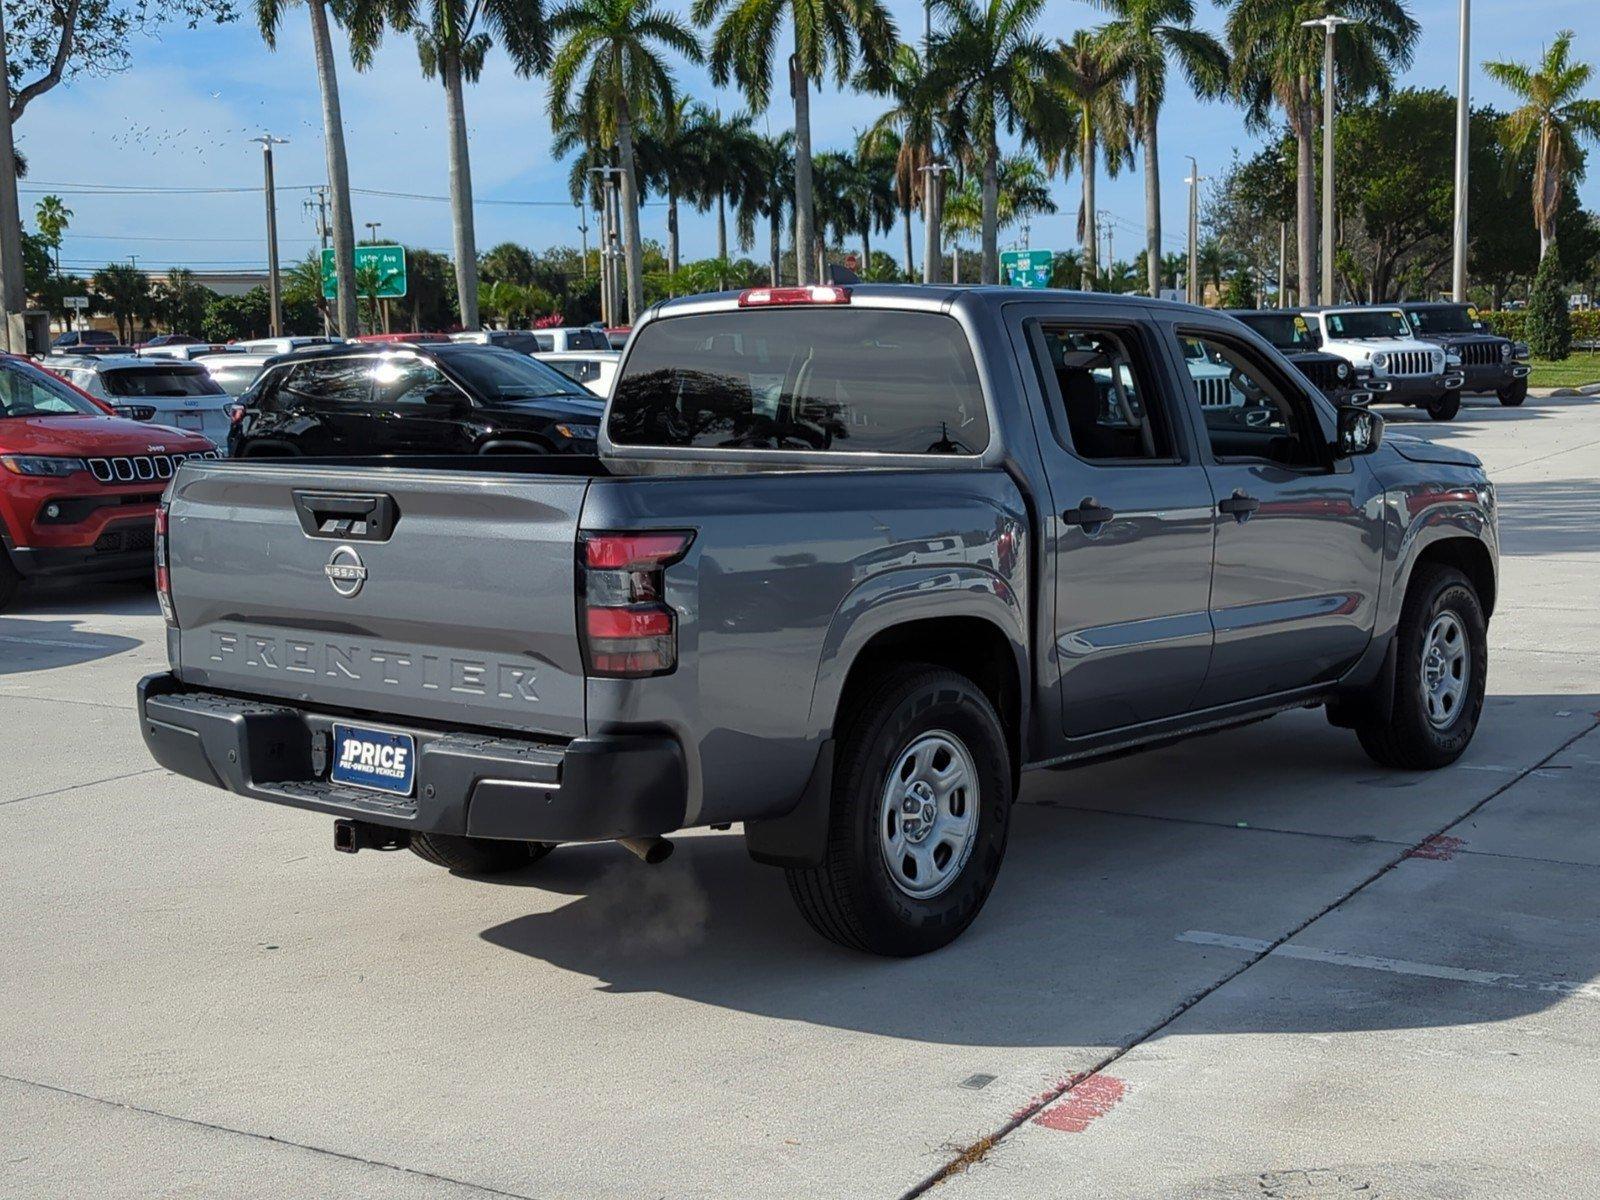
[{"x": 78, "y": 485}]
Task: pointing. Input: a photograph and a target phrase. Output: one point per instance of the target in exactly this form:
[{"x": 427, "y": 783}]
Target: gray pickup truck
[{"x": 849, "y": 562}]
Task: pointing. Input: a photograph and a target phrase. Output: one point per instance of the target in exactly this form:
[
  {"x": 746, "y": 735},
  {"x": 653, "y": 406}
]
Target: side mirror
[
  {"x": 444, "y": 395},
  {"x": 1360, "y": 431}
]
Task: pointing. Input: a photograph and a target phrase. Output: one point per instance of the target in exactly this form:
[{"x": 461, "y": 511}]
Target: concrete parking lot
[{"x": 1250, "y": 965}]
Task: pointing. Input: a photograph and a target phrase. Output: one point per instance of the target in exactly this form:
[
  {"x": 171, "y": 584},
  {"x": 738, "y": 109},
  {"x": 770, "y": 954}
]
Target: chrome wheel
[
  {"x": 928, "y": 816},
  {"x": 1446, "y": 669}
]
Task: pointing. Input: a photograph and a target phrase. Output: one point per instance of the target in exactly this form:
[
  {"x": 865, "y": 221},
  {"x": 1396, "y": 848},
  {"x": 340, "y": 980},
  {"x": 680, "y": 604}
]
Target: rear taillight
[
  {"x": 163, "y": 575},
  {"x": 627, "y": 628}
]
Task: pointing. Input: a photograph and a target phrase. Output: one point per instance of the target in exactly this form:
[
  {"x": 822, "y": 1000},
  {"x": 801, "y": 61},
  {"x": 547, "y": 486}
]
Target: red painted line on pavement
[
  {"x": 1084, "y": 1104},
  {"x": 1441, "y": 847}
]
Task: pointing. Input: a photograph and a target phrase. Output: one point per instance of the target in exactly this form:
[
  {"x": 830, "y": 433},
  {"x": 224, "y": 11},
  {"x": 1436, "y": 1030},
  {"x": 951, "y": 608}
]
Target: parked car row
[{"x": 1416, "y": 353}]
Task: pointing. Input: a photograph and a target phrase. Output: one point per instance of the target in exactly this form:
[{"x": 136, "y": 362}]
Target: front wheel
[
  {"x": 1513, "y": 394},
  {"x": 1445, "y": 406},
  {"x": 1441, "y": 664},
  {"x": 476, "y": 856},
  {"x": 921, "y": 808}
]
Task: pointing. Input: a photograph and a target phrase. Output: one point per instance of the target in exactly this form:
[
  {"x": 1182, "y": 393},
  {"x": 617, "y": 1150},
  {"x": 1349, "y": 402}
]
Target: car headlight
[
  {"x": 1505, "y": 351},
  {"x": 42, "y": 464},
  {"x": 1380, "y": 359},
  {"x": 1343, "y": 370}
]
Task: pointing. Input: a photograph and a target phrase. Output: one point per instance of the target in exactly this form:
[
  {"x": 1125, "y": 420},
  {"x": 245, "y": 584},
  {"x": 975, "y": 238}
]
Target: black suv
[
  {"x": 1490, "y": 363},
  {"x": 1294, "y": 338},
  {"x": 442, "y": 398}
]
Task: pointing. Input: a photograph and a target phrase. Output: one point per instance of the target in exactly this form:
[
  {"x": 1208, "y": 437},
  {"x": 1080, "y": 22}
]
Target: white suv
[{"x": 1389, "y": 361}]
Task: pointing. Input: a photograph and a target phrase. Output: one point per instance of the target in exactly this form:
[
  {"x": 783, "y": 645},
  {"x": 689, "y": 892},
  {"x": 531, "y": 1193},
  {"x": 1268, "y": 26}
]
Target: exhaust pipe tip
[{"x": 653, "y": 850}]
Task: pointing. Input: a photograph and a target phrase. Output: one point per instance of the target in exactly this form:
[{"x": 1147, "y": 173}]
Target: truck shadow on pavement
[
  {"x": 1086, "y": 938},
  {"x": 121, "y": 597},
  {"x": 34, "y": 645}
]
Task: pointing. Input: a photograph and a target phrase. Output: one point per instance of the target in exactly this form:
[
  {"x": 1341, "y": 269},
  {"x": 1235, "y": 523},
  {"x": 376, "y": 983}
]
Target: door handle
[
  {"x": 1239, "y": 506},
  {"x": 1088, "y": 514}
]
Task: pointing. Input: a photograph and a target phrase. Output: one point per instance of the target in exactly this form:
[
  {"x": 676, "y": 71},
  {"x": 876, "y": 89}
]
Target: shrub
[{"x": 1549, "y": 324}]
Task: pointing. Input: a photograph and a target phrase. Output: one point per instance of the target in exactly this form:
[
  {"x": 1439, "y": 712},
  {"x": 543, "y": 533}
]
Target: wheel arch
[{"x": 1467, "y": 555}]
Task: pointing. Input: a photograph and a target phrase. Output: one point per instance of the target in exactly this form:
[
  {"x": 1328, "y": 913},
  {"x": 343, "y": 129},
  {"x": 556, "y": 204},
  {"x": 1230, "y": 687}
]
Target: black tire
[
  {"x": 476, "y": 856},
  {"x": 10, "y": 580},
  {"x": 852, "y": 898},
  {"x": 1512, "y": 395},
  {"x": 1444, "y": 406},
  {"x": 1409, "y": 739}
]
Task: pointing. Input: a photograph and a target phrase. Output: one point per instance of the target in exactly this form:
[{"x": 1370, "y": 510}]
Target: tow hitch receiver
[{"x": 350, "y": 836}]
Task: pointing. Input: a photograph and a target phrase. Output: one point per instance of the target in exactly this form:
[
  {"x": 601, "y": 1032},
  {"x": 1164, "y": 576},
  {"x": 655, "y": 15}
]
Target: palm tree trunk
[
  {"x": 13, "y": 285},
  {"x": 344, "y": 234},
  {"x": 905, "y": 222},
  {"x": 722, "y": 237},
  {"x": 466, "y": 245},
  {"x": 805, "y": 232},
  {"x": 775, "y": 231},
  {"x": 866, "y": 248},
  {"x": 1152, "y": 204},
  {"x": 989, "y": 272},
  {"x": 1305, "y": 210},
  {"x": 672, "y": 229},
  {"x": 1090, "y": 237},
  {"x": 634, "y": 256}
]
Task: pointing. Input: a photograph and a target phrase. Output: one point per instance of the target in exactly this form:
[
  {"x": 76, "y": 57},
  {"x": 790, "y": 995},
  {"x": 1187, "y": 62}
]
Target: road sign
[
  {"x": 1027, "y": 268},
  {"x": 78, "y": 302},
  {"x": 388, "y": 261}
]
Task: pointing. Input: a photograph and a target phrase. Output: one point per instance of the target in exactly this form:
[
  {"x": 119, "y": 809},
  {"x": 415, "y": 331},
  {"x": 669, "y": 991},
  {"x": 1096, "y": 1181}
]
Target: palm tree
[
  {"x": 996, "y": 71},
  {"x": 1277, "y": 62},
  {"x": 771, "y": 186},
  {"x": 1101, "y": 119},
  {"x": 667, "y": 150},
  {"x": 827, "y": 34},
  {"x": 453, "y": 40},
  {"x": 873, "y": 196},
  {"x": 1554, "y": 118},
  {"x": 910, "y": 130},
  {"x": 962, "y": 214},
  {"x": 123, "y": 291},
  {"x": 364, "y": 19},
  {"x": 1147, "y": 33},
  {"x": 609, "y": 64},
  {"x": 52, "y": 217}
]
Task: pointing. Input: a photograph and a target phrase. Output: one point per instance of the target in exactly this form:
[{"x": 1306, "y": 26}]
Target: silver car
[
  {"x": 234, "y": 373},
  {"x": 172, "y": 392}
]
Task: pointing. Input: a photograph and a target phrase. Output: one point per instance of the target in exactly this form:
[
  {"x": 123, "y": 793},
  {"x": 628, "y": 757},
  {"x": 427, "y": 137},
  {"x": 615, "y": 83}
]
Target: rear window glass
[
  {"x": 846, "y": 379},
  {"x": 587, "y": 339},
  {"x": 137, "y": 381}
]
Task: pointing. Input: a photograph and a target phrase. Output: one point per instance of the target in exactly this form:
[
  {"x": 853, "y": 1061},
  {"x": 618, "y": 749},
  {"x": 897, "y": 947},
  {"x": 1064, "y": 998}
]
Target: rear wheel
[
  {"x": 476, "y": 856},
  {"x": 920, "y": 812},
  {"x": 1441, "y": 663},
  {"x": 1512, "y": 395},
  {"x": 1445, "y": 406}
]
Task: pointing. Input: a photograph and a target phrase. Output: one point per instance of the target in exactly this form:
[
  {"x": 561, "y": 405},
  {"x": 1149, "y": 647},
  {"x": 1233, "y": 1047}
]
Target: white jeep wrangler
[{"x": 1389, "y": 361}]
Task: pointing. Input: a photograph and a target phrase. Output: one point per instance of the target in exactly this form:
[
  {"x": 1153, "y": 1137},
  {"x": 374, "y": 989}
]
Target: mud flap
[{"x": 799, "y": 838}]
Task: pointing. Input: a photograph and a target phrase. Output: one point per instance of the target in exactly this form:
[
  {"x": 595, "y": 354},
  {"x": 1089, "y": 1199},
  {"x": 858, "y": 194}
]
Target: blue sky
[{"x": 182, "y": 116}]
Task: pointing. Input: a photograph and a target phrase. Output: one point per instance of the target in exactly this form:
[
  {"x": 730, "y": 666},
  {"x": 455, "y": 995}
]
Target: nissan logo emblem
[{"x": 346, "y": 571}]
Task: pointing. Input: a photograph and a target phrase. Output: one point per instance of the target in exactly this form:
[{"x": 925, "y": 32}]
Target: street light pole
[
  {"x": 381, "y": 301},
  {"x": 1191, "y": 286},
  {"x": 932, "y": 215},
  {"x": 274, "y": 289},
  {"x": 1458, "y": 273},
  {"x": 1329, "y": 24}
]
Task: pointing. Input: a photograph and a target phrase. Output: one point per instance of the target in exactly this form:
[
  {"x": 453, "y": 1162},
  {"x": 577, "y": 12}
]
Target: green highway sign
[
  {"x": 388, "y": 261},
  {"x": 1027, "y": 268}
]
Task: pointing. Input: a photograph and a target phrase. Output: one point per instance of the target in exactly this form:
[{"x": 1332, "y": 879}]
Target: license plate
[
  {"x": 374, "y": 758},
  {"x": 193, "y": 421}
]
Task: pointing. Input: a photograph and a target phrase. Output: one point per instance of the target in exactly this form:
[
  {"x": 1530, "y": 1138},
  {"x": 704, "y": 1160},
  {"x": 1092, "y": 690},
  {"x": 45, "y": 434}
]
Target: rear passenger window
[
  {"x": 339, "y": 381},
  {"x": 1101, "y": 400}
]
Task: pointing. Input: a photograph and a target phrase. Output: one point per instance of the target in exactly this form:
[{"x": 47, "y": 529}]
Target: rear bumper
[{"x": 473, "y": 783}]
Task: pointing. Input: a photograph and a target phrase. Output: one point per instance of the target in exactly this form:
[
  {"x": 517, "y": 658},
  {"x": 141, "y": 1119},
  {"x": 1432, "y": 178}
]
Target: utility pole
[
  {"x": 583, "y": 234},
  {"x": 932, "y": 215},
  {"x": 1192, "y": 282},
  {"x": 1458, "y": 273},
  {"x": 1329, "y": 25},
  {"x": 608, "y": 282},
  {"x": 274, "y": 287},
  {"x": 316, "y": 204}
]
